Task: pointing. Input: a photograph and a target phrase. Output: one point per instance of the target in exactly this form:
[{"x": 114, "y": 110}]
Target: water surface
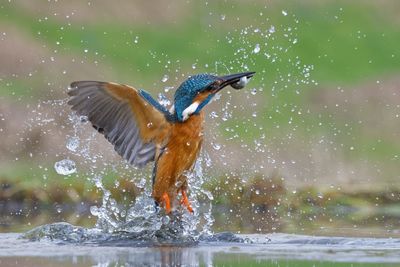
[{"x": 67, "y": 245}]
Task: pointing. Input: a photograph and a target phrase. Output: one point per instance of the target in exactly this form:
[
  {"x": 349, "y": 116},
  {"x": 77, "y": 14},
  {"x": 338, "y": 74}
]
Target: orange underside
[
  {"x": 182, "y": 140},
  {"x": 179, "y": 156}
]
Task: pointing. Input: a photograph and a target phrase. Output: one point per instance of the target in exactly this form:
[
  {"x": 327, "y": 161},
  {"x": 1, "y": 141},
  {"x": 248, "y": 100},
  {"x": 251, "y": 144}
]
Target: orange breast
[{"x": 179, "y": 156}]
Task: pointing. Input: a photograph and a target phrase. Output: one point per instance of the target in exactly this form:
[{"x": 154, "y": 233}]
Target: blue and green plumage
[{"x": 189, "y": 89}]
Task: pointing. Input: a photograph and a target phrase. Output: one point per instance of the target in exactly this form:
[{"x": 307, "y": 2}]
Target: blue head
[{"x": 197, "y": 91}]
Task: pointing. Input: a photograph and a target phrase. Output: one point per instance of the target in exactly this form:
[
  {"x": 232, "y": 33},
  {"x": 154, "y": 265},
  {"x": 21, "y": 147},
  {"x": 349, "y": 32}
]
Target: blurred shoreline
[{"x": 264, "y": 206}]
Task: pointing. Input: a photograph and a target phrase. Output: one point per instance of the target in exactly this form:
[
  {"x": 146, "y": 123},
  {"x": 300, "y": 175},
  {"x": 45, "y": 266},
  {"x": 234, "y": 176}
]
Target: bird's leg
[
  {"x": 167, "y": 203},
  {"x": 185, "y": 201}
]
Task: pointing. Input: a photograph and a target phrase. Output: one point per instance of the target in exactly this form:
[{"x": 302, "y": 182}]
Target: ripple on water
[{"x": 171, "y": 234}]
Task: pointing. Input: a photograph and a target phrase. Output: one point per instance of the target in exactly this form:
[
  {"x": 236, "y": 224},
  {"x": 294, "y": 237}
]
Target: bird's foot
[
  {"x": 167, "y": 203},
  {"x": 185, "y": 201}
]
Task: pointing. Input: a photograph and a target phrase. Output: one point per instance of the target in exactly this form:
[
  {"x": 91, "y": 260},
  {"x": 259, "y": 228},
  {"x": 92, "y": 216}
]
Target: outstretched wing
[{"x": 135, "y": 126}]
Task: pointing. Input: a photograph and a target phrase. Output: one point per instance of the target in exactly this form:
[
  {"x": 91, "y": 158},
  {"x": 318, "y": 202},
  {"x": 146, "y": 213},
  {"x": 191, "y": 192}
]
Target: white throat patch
[{"x": 189, "y": 110}]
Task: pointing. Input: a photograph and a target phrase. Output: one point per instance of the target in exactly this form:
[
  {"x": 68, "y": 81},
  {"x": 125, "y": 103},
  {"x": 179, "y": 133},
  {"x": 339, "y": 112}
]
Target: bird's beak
[{"x": 237, "y": 81}]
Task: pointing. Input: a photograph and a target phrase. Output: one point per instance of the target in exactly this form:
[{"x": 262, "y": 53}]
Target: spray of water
[{"x": 141, "y": 215}]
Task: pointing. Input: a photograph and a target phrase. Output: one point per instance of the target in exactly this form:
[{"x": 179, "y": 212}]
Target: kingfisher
[{"x": 142, "y": 130}]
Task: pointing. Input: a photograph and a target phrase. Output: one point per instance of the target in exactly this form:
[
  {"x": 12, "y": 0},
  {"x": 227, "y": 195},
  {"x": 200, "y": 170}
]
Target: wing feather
[{"x": 127, "y": 118}]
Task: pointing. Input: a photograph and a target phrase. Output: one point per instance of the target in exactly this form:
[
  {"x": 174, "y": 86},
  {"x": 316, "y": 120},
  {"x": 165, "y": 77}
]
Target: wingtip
[
  {"x": 73, "y": 84},
  {"x": 72, "y": 88},
  {"x": 76, "y": 85},
  {"x": 70, "y": 91},
  {"x": 85, "y": 83}
]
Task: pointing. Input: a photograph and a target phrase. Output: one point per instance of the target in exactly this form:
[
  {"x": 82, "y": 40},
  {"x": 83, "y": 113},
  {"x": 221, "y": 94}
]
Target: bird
[{"x": 142, "y": 130}]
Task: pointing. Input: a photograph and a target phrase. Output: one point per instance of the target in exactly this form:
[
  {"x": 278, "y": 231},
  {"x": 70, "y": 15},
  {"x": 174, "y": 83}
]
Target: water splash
[
  {"x": 163, "y": 100},
  {"x": 66, "y": 233},
  {"x": 65, "y": 167},
  {"x": 141, "y": 223},
  {"x": 143, "y": 218},
  {"x": 138, "y": 217},
  {"x": 73, "y": 143}
]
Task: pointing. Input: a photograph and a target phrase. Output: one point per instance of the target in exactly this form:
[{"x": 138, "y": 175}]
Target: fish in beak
[{"x": 236, "y": 81}]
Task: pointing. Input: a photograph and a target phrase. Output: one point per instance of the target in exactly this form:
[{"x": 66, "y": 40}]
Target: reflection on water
[
  {"x": 172, "y": 258},
  {"x": 257, "y": 250}
]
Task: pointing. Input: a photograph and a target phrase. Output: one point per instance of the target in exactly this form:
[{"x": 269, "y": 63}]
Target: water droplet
[
  {"x": 165, "y": 220},
  {"x": 223, "y": 17},
  {"x": 98, "y": 182},
  {"x": 65, "y": 167},
  {"x": 136, "y": 40},
  {"x": 83, "y": 119},
  {"x": 86, "y": 50},
  {"x": 141, "y": 183},
  {"x": 213, "y": 114},
  {"x": 163, "y": 100},
  {"x": 165, "y": 78},
  {"x": 72, "y": 143},
  {"x": 208, "y": 194},
  {"x": 207, "y": 160},
  {"x": 284, "y": 12},
  {"x": 256, "y": 49},
  {"x": 94, "y": 210},
  {"x": 216, "y": 146},
  {"x": 271, "y": 29},
  {"x": 168, "y": 88}
]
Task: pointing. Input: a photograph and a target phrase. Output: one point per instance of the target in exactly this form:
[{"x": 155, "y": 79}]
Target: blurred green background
[{"x": 321, "y": 117}]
